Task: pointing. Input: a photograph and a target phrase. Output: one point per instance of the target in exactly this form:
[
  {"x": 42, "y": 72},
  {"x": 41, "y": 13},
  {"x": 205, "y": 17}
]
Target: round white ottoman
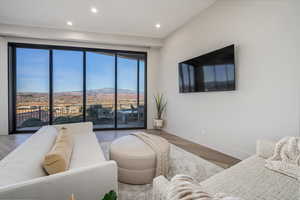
[{"x": 136, "y": 160}]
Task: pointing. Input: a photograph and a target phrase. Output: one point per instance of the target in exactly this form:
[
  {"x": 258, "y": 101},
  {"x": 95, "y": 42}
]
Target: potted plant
[
  {"x": 161, "y": 104},
  {"x": 112, "y": 195}
]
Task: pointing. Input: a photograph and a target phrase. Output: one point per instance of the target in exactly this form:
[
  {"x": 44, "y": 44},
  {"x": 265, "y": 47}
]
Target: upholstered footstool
[{"x": 136, "y": 160}]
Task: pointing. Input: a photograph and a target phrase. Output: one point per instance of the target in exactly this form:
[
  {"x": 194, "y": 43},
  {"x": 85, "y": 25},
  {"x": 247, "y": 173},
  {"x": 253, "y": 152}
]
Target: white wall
[
  {"x": 3, "y": 88},
  {"x": 266, "y": 102},
  {"x": 152, "y": 76},
  {"x": 153, "y": 57}
]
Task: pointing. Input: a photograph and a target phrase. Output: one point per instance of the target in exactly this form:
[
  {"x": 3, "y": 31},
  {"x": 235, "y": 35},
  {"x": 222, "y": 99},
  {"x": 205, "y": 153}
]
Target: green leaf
[
  {"x": 160, "y": 105},
  {"x": 112, "y": 195}
]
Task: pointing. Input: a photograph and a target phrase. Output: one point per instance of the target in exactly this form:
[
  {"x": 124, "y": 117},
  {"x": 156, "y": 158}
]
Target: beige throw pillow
[{"x": 58, "y": 159}]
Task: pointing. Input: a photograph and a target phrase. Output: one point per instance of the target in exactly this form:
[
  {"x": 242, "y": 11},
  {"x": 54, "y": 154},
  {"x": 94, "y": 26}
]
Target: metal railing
[{"x": 39, "y": 115}]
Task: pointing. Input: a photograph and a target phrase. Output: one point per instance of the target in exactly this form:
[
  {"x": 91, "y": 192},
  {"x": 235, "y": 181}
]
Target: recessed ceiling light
[
  {"x": 94, "y": 10},
  {"x": 69, "y": 23},
  {"x": 157, "y": 25}
]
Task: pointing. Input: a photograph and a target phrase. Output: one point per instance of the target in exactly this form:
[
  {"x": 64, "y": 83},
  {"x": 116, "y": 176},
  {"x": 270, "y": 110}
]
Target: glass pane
[
  {"x": 221, "y": 77},
  {"x": 209, "y": 78},
  {"x": 32, "y": 91},
  {"x": 67, "y": 86},
  {"x": 141, "y": 106},
  {"x": 100, "y": 85},
  {"x": 230, "y": 75},
  {"x": 127, "y": 107},
  {"x": 192, "y": 78},
  {"x": 186, "y": 80}
]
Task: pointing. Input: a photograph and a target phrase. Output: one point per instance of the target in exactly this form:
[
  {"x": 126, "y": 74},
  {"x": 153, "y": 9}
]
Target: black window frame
[{"x": 12, "y": 79}]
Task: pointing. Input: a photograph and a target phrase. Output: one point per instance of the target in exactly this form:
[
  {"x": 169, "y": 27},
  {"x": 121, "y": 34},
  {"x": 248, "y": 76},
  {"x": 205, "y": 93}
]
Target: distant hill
[
  {"x": 89, "y": 92},
  {"x": 110, "y": 91}
]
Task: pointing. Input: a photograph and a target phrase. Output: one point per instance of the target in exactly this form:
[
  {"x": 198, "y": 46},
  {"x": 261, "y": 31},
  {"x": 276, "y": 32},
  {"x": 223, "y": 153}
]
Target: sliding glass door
[
  {"x": 130, "y": 82},
  {"x": 57, "y": 85},
  {"x": 100, "y": 89}
]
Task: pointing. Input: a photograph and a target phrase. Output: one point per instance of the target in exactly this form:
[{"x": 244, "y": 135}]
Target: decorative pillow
[
  {"x": 183, "y": 187},
  {"x": 58, "y": 159},
  {"x": 265, "y": 149}
]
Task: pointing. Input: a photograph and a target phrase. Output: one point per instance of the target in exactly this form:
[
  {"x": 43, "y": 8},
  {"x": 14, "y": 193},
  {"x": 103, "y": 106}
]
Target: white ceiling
[{"x": 126, "y": 17}]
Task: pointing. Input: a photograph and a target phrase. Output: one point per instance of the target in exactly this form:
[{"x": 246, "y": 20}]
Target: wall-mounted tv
[{"x": 214, "y": 71}]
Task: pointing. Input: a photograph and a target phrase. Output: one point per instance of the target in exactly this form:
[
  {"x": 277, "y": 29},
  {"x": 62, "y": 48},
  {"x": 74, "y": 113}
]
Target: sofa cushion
[
  {"x": 25, "y": 162},
  {"x": 58, "y": 159},
  {"x": 86, "y": 151},
  {"x": 251, "y": 180}
]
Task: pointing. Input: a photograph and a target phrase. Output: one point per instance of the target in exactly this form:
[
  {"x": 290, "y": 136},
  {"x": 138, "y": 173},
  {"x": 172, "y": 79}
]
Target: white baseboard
[{"x": 3, "y": 133}]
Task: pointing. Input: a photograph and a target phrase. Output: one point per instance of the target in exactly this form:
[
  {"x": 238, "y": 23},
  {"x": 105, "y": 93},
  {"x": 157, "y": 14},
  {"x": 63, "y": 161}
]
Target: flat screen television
[{"x": 214, "y": 71}]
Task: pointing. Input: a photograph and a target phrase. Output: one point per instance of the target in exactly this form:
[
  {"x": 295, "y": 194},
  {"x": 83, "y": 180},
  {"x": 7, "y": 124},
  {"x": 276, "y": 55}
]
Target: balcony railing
[{"x": 127, "y": 115}]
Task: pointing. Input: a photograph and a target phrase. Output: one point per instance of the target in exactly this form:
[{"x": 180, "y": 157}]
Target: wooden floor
[{"x": 10, "y": 142}]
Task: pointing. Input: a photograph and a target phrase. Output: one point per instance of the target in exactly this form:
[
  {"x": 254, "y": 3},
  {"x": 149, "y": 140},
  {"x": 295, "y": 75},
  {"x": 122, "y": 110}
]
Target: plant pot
[{"x": 158, "y": 123}]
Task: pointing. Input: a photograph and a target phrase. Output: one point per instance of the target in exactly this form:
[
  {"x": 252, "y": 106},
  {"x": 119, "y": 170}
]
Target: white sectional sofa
[
  {"x": 90, "y": 176},
  {"x": 248, "y": 179}
]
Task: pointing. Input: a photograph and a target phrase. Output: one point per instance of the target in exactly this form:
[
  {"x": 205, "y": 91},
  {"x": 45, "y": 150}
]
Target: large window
[{"x": 57, "y": 85}]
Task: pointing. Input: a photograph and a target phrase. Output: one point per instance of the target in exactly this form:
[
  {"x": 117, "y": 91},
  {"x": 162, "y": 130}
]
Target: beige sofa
[
  {"x": 248, "y": 179},
  {"x": 90, "y": 176}
]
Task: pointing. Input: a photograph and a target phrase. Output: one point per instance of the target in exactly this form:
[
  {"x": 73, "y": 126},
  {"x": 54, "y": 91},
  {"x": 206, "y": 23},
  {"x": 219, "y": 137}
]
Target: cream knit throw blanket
[
  {"x": 157, "y": 144},
  {"x": 183, "y": 187},
  {"x": 286, "y": 157}
]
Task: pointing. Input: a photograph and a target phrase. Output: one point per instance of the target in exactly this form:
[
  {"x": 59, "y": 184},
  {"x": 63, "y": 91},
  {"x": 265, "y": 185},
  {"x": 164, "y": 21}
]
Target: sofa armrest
[
  {"x": 82, "y": 127},
  {"x": 88, "y": 183},
  {"x": 160, "y": 185},
  {"x": 265, "y": 148}
]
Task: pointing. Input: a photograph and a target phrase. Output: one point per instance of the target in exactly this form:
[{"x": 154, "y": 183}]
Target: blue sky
[{"x": 33, "y": 71}]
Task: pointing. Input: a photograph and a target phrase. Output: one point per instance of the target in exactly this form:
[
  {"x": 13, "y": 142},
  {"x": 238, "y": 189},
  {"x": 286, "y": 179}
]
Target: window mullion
[
  {"x": 138, "y": 83},
  {"x": 116, "y": 89},
  {"x": 50, "y": 86},
  {"x": 84, "y": 86}
]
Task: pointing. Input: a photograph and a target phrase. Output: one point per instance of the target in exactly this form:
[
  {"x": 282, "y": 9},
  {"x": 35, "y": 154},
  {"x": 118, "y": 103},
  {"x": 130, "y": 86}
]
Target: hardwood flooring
[
  {"x": 211, "y": 155},
  {"x": 10, "y": 142}
]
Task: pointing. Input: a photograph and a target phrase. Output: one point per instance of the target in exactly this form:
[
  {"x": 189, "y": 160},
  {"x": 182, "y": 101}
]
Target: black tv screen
[{"x": 214, "y": 71}]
